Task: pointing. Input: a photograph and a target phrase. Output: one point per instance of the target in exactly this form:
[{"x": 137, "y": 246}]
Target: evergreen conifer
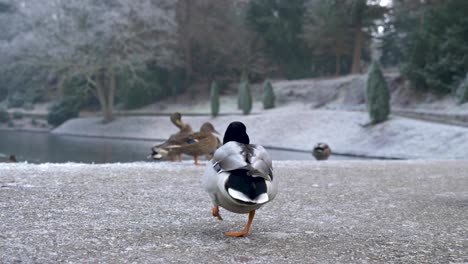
[
  {"x": 462, "y": 91},
  {"x": 214, "y": 98},
  {"x": 244, "y": 78},
  {"x": 378, "y": 96},
  {"x": 268, "y": 95},
  {"x": 245, "y": 98}
]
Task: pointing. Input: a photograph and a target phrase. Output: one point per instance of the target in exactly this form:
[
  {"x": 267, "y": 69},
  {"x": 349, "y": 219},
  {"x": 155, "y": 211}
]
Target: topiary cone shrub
[
  {"x": 462, "y": 91},
  {"x": 377, "y": 95},
  {"x": 244, "y": 78},
  {"x": 245, "y": 98},
  {"x": 268, "y": 95},
  {"x": 4, "y": 115},
  {"x": 214, "y": 98}
]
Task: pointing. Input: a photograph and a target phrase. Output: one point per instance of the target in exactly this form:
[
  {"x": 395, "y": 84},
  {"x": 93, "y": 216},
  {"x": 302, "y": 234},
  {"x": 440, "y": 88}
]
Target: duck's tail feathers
[
  {"x": 158, "y": 154},
  {"x": 246, "y": 188},
  {"x": 261, "y": 199}
]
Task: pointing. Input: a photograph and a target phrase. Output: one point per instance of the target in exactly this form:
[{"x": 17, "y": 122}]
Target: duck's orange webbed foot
[
  {"x": 246, "y": 230},
  {"x": 215, "y": 211},
  {"x": 236, "y": 234},
  {"x": 195, "y": 158}
]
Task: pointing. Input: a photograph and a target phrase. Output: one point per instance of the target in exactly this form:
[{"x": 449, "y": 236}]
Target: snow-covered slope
[{"x": 289, "y": 128}]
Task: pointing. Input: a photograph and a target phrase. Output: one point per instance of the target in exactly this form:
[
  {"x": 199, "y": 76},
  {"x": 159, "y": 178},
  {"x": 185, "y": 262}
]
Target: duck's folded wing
[
  {"x": 261, "y": 161},
  {"x": 254, "y": 158},
  {"x": 229, "y": 157}
]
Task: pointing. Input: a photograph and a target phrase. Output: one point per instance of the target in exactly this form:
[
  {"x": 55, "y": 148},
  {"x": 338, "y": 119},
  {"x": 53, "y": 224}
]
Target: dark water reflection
[{"x": 45, "y": 147}]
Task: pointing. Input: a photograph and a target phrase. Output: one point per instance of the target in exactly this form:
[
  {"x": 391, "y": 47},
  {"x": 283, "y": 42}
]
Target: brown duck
[
  {"x": 11, "y": 159},
  {"x": 200, "y": 143},
  {"x": 176, "y": 119},
  {"x": 162, "y": 151},
  {"x": 321, "y": 151}
]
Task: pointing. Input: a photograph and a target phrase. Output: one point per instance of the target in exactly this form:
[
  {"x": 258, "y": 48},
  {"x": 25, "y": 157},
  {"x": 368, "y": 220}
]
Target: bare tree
[
  {"x": 213, "y": 37},
  {"x": 98, "y": 39}
]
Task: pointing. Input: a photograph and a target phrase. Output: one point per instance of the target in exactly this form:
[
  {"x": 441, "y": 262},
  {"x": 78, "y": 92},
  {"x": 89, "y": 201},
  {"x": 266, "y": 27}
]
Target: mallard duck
[
  {"x": 161, "y": 151},
  {"x": 219, "y": 139},
  {"x": 176, "y": 119},
  {"x": 321, "y": 151},
  {"x": 11, "y": 158},
  {"x": 200, "y": 143},
  {"x": 239, "y": 178}
]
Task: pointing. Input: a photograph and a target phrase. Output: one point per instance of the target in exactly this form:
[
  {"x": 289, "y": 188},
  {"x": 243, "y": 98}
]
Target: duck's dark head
[{"x": 236, "y": 131}]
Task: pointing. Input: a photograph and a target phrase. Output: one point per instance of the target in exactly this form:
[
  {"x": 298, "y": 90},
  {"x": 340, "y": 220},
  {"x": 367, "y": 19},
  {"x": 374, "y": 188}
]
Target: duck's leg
[
  {"x": 216, "y": 212},
  {"x": 195, "y": 158},
  {"x": 246, "y": 228}
]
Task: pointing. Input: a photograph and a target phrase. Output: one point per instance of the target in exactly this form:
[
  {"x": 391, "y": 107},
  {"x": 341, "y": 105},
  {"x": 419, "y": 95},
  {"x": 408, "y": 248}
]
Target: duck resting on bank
[
  {"x": 239, "y": 178},
  {"x": 162, "y": 151},
  {"x": 321, "y": 151},
  {"x": 200, "y": 143},
  {"x": 11, "y": 158}
]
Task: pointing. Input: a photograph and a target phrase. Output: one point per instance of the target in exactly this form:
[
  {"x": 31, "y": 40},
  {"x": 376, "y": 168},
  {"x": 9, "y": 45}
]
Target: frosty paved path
[{"x": 326, "y": 212}]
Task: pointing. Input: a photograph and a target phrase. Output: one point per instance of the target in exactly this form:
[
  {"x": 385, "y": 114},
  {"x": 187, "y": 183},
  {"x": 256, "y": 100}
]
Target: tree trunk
[
  {"x": 358, "y": 38},
  {"x": 188, "y": 60},
  {"x": 110, "y": 97},
  {"x": 184, "y": 18},
  {"x": 340, "y": 50},
  {"x": 100, "y": 93},
  {"x": 61, "y": 86},
  {"x": 337, "y": 63},
  {"x": 105, "y": 87}
]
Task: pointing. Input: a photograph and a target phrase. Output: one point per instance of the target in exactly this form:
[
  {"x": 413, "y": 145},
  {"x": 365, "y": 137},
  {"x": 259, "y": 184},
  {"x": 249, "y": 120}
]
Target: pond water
[{"x": 44, "y": 147}]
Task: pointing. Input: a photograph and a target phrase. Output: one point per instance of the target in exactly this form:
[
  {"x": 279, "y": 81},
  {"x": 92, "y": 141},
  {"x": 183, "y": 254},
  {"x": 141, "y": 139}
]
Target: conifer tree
[
  {"x": 268, "y": 95},
  {"x": 462, "y": 91},
  {"x": 244, "y": 78},
  {"x": 378, "y": 96},
  {"x": 214, "y": 98},
  {"x": 245, "y": 97}
]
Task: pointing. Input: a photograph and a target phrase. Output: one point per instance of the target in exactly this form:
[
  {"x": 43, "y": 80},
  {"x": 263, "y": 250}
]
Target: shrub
[
  {"x": 214, "y": 98},
  {"x": 268, "y": 95},
  {"x": 62, "y": 111},
  {"x": 17, "y": 115},
  {"x": 462, "y": 91},
  {"x": 28, "y": 106},
  {"x": 78, "y": 89},
  {"x": 378, "y": 96},
  {"x": 4, "y": 115},
  {"x": 138, "y": 90},
  {"x": 3, "y": 93},
  {"x": 140, "y": 95},
  {"x": 32, "y": 95},
  {"x": 245, "y": 98},
  {"x": 16, "y": 100},
  {"x": 244, "y": 78}
]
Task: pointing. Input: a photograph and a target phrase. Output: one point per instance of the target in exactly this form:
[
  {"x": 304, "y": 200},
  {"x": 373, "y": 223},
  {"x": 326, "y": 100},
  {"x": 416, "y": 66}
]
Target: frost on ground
[
  {"x": 301, "y": 130},
  {"x": 325, "y": 212}
]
